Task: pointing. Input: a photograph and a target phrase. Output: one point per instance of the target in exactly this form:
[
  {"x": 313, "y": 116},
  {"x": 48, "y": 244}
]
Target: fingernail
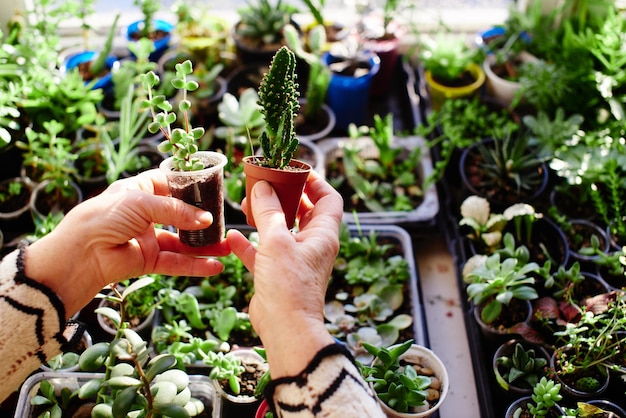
[
  {"x": 205, "y": 218},
  {"x": 261, "y": 189}
]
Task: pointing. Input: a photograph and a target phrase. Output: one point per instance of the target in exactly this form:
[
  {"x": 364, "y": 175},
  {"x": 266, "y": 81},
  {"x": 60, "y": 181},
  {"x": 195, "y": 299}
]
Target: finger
[
  {"x": 169, "y": 241},
  {"x": 167, "y": 211},
  {"x": 151, "y": 181},
  {"x": 174, "y": 264},
  {"x": 267, "y": 211},
  {"x": 242, "y": 248}
]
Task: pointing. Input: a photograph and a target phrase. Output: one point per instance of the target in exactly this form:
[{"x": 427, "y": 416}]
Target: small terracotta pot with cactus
[{"x": 278, "y": 96}]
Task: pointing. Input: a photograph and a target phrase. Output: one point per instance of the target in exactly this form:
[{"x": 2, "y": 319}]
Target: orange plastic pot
[{"x": 288, "y": 184}]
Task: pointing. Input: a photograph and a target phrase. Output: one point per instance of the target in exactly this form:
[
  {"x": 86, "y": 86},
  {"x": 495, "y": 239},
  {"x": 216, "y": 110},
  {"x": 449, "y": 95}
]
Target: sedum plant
[
  {"x": 180, "y": 141},
  {"x": 545, "y": 396},
  {"x": 278, "y": 97}
]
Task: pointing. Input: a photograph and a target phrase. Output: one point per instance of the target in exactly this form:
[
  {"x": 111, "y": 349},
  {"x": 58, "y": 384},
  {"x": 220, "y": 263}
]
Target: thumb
[{"x": 266, "y": 209}]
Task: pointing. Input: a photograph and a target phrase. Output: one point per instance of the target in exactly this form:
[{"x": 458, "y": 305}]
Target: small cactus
[{"x": 278, "y": 98}]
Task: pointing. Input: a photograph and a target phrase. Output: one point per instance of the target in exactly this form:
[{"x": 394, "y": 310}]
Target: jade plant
[
  {"x": 278, "y": 97},
  {"x": 134, "y": 382},
  {"x": 181, "y": 142}
]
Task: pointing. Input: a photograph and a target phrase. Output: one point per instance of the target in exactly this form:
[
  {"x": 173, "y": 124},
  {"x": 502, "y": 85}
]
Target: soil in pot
[
  {"x": 204, "y": 189},
  {"x": 245, "y": 403},
  {"x": 310, "y": 126}
]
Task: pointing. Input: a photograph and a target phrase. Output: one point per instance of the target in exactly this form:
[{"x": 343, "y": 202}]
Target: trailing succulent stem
[
  {"x": 278, "y": 97},
  {"x": 181, "y": 142}
]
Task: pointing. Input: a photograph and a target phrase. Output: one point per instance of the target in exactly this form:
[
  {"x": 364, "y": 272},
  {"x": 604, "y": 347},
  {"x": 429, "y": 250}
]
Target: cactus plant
[{"x": 278, "y": 97}]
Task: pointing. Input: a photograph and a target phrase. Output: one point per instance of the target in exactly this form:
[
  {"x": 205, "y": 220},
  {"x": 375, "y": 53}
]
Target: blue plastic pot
[
  {"x": 348, "y": 96},
  {"x": 103, "y": 82},
  {"x": 482, "y": 38},
  {"x": 160, "y": 45}
]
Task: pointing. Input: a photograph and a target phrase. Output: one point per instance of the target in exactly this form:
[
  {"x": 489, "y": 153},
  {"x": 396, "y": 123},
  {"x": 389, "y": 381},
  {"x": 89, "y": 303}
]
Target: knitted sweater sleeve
[
  {"x": 32, "y": 320},
  {"x": 330, "y": 386}
]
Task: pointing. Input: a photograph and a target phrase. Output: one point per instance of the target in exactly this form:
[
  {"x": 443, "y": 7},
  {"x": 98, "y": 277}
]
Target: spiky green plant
[{"x": 278, "y": 97}]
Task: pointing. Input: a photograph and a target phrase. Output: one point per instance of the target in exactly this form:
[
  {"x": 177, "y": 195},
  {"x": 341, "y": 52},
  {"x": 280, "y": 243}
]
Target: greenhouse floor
[{"x": 445, "y": 324}]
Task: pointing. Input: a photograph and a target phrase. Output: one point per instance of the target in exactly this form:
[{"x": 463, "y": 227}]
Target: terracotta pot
[
  {"x": 204, "y": 189},
  {"x": 288, "y": 184}
]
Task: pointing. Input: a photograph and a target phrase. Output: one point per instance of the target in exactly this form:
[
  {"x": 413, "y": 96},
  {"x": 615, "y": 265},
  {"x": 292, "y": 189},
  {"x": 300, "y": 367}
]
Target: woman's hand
[
  {"x": 291, "y": 272},
  {"x": 112, "y": 237}
]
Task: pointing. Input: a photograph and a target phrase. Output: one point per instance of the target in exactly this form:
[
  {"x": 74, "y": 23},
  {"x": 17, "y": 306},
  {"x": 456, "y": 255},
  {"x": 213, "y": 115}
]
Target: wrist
[{"x": 290, "y": 348}]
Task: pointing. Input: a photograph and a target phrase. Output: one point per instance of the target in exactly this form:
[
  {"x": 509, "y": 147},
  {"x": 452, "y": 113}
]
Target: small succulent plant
[
  {"x": 181, "y": 142},
  {"x": 278, "y": 97}
]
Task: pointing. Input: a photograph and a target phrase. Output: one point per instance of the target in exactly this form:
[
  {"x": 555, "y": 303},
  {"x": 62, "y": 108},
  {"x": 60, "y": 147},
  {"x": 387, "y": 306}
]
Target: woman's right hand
[{"x": 291, "y": 272}]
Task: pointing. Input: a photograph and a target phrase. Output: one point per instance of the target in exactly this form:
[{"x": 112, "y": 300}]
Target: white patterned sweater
[{"x": 32, "y": 329}]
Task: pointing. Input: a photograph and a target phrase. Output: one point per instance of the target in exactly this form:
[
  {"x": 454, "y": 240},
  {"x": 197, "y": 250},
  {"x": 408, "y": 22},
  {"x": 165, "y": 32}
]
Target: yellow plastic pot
[{"x": 440, "y": 92}]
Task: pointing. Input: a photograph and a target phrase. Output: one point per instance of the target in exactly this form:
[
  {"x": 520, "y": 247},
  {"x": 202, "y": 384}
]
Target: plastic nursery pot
[
  {"x": 201, "y": 188},
  {"x": 98, "y": 82},
  {"x": 420, "y": 355},
  {"x": 161, "y": 43},
  {"x": 500, "y": 88},
  {"x": 263, "y": 409},
  {"x": 288, "y": 184},
  {"x": 440, "y": 92},
  {"x": 507, "y": 349},
  {"x": 555, "y": 411},
  {"x": 242, "y": 405},
  {"x": 348, "y": 96},
  {"x": 388, "y": 52}
]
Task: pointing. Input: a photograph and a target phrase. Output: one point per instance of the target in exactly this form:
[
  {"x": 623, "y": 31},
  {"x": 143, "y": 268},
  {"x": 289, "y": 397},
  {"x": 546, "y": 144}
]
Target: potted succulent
[
  {"x": 451, "y": 68},
  {"x": 96, "y": 68},
  {"x": 193, "y": 176},
  {"x": 409, "y": 380},
  {"x": 500, "y": 290},
  {"x": 381, "y": 175},
  {"x": 236, "y": 376},
  {"x": 258, "y": 33},
  {"x": 519, "y": 365},
  {"x": 278, "y": 97},
  {"x": 504, "y": 169},
  {"x": 542, "y": 403},
  {"x": 157, "y": 30},
  {"x": 118, "y": 377},
  {"x": 381, "y": 34},
  {"x": 352, "y": 72}
]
